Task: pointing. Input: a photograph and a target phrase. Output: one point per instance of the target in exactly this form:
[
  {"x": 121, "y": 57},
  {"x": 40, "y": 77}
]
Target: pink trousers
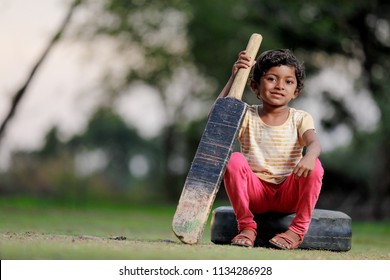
[{"x": 248, "y": 194}]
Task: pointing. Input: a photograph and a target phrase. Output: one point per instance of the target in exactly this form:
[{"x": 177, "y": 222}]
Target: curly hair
[{"x": 278, "y": 57}]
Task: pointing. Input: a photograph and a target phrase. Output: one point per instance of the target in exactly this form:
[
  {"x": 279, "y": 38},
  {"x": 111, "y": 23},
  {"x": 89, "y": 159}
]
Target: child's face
[{"x": 278, "y": 86}]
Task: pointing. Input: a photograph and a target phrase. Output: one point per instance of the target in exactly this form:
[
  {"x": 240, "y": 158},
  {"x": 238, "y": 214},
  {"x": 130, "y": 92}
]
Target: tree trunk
[{"x": 21, "y": 92}]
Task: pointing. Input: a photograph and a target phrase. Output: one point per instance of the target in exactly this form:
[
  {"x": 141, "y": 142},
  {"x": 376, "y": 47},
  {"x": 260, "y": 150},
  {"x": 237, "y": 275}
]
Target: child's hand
[
  {"x": 304, "y": 167},
  {"x": 313, "y": 149},
  {"x": 243, "y": 61}
]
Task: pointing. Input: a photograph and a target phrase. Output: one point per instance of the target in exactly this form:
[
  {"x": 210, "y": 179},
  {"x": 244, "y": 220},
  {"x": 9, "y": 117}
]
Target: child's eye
[
  {"x": 290, "y": 82},
  {"x": 271, "y": 79}
]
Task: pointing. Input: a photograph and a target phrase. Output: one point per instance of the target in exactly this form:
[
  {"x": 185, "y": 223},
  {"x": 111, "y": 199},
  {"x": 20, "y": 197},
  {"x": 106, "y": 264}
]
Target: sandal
[
  {"x": 246, "y": 237},
  {"x": 292, "y": 244}
]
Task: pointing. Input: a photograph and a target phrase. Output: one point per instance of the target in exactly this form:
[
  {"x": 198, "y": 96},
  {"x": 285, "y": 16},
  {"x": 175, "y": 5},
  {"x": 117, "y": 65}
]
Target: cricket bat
[{"x": 213, "y": 153}]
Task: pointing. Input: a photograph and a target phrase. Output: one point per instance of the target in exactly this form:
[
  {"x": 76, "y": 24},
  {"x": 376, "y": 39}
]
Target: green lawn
[{"x": 52, "y": 232}]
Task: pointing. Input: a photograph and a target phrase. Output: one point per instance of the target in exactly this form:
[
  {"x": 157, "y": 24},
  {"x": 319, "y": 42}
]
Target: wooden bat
[{"x": 213, "y": 153}]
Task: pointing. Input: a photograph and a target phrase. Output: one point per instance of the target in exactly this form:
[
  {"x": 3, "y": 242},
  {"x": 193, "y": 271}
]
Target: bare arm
[{"x": 313, "y": 151}]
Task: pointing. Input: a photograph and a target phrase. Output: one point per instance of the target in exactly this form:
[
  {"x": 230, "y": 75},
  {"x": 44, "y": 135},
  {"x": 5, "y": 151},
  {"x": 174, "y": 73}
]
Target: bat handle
[{"x": 242, "y": 75}]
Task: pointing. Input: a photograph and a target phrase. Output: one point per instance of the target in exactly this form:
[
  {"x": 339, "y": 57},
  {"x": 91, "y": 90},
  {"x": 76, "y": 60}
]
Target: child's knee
[
  {"x": 318, "y": 171},
  {"x": 236, "y": 160},
  {"x": 315, "y": 178}
]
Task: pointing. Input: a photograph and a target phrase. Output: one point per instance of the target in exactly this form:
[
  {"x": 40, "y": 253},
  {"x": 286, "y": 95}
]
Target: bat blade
[{"x": 207, "y": 169}]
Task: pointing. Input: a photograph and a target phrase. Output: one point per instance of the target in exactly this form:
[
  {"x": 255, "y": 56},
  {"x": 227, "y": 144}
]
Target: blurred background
[{"x": 105, "y": 101}]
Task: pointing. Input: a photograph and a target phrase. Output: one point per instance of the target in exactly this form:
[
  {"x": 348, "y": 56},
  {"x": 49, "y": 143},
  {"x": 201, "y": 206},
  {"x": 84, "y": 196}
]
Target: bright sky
[
  {"x": 64, "y": 91},
  {"x": 59, "y": 93}
]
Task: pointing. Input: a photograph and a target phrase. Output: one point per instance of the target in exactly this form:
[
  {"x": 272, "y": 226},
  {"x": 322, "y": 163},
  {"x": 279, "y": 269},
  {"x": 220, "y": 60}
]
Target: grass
[{"x": 50, "y": 232}]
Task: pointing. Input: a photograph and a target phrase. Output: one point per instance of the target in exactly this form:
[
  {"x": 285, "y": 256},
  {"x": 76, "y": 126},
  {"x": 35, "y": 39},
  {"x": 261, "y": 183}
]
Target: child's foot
[
  {"x": 245, "y": 238},
  {"x": 287, "y": 240}
]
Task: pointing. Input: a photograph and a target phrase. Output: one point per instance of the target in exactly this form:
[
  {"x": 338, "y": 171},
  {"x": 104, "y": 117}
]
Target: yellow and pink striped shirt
[{"x": 273, "y": 151}]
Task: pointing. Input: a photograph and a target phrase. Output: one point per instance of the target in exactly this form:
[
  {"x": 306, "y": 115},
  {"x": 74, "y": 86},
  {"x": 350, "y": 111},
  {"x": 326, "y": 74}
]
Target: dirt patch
[{"x": 29, "y": 236}]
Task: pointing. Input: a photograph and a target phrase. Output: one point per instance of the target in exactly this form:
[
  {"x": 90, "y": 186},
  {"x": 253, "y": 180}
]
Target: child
[{"x": 271, "y": 173}]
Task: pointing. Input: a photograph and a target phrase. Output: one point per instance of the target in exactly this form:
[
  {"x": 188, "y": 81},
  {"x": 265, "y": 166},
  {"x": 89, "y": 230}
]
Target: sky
[
  {"x": 25, "y": 29},
  {"x": 65, "y": 90}
]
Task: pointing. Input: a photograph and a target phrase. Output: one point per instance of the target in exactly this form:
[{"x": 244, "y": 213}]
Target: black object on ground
[{"x": 329, "y": 230}]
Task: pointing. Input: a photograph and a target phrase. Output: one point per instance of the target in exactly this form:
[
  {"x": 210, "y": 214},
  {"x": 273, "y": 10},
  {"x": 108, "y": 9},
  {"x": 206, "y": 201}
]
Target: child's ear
[
  {"x": 296, "y": 93},
  {"x": 254, "y": 86}
]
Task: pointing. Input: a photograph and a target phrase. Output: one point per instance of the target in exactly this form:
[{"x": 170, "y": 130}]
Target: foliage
[{"x": 91, "y": 166}]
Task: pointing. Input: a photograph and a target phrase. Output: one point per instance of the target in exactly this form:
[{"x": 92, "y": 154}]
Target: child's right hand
[{"x": 243, "y": 61}]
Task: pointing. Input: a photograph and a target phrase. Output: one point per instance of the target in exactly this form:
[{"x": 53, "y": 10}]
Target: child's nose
[{"x": 279, "y": 84}]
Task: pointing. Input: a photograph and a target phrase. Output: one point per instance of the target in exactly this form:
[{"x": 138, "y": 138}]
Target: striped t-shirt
[{"x": 273, "y": 151}]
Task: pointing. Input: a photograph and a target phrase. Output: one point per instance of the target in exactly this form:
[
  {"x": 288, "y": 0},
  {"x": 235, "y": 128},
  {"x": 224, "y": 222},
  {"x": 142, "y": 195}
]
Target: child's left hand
[
  {"x": 304, "y": 167},
  {"x": 313, "y": 149}
]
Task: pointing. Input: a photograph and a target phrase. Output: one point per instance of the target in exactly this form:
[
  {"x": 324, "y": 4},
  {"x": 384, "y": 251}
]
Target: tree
[{"x": 22, "y": 91}]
